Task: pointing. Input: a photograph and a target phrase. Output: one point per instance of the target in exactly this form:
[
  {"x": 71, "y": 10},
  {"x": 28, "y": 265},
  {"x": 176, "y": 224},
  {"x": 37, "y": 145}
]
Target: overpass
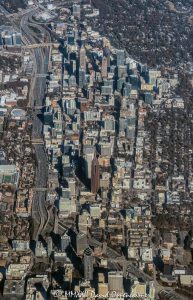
[
  {"x": 22, "y": 12},
  {"x": 42, "y": 45},
  {"x": 37, "y": 141},
  {"x": 36, "y": 189},
  {"x": 41, "y": 75}
]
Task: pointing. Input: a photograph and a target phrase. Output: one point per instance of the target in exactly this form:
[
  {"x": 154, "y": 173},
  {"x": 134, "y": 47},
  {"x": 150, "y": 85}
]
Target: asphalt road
[{"x": 31, "y": 35}]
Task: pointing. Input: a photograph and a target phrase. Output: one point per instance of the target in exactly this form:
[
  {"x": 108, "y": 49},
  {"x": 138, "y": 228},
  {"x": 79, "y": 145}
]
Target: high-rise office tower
[
  {"x": 122, "y": 71},
  {"x": 16, "y": 38},
  {"x": 108, "y": 60},
  {"x": 73, "y": 67},
  {"x": 115, "y": 281},
  {"x": 76, "y": 10},
  {"x": 83, "y": 58},
  {"x": 120, "y": 57},
  {"x": 65, "y": 242},
  {"x": 8, "y": 39},
  {"x": 81, "y": 243},
  {"x": 88, "y": 264},
  {"x": 95, "y": 176},
  {"x": 134, "y": 80},
  {"x": 104, "y": 67},
  {"x": 89, "y": 153},
  {"x": 127, "y": 89},
  {"x": 81, "y": 78},
  {"x": 70, "y": 39},
  {"x": 120, "y": 84},
  {"x": 72, "y": 81}
]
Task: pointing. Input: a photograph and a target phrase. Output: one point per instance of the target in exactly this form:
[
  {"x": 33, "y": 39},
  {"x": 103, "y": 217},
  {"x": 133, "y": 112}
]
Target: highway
[
  {"x": 36, "y": 97},
  {"x": 40, "y": 56},
  {"x": 3, "y": 11}
]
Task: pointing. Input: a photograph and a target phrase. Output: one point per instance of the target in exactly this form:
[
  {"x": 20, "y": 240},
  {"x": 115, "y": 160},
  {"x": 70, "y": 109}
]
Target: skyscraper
[
  {"x": 65, "y": 242},
  {"x": 120, "y": 57},
  {"x": 122, "y": 71},
  {"x": 104, "y": 67},
  {"x": 127, "y": 89},
  {"x": 81, "y": 78},
  {"x": 73, "y": 66},
  {"x": 120, "y": 84},
  {"x": 16, "y": 38},
  {"x": 81, "y": 243},
  {"x": 95, "y": 176},
  {"x": 76, "y": 10},
  {"x": 88, "y": 264},
  {"x": 8, "y": 39},
  {"x": 115, "y": 281},
  {"x": 82, "y": 58}
]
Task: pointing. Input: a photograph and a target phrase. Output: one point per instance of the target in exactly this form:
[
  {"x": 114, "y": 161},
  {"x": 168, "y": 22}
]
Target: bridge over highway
[
  {"x": 37, "y": 141},
  {"x": 41, "y": 75},
  {"x": 40, "y": 45}
]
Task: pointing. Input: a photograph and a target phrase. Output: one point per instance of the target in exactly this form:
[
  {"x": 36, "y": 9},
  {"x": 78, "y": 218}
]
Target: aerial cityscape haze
[{"x": 96, "y": 149}]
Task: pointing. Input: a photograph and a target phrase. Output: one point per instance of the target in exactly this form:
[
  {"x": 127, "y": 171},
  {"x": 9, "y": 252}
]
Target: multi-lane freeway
[{"x": 33, "y": 34}]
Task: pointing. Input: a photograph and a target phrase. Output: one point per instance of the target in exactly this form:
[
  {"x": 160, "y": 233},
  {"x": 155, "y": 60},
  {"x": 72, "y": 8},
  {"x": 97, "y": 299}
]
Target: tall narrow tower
[
  {"x": 83, "y": 58},
  {"x": 88, "y": 264},
  {"x": 95, "y": 176},
  {"x": 120, "y": 57},
  {"x": 104, "y": 67}
]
